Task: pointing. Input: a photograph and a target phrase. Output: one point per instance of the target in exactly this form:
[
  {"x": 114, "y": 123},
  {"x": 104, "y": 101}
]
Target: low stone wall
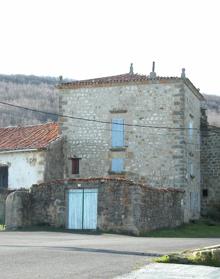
[
  {"x": 123, "y": 206},
  {"x": 18, "y": 210},
  {"x": 3, "y": 195}
]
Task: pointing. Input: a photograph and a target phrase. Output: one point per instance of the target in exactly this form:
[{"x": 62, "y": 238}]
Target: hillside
[
  {"x": 213, "y": 109},
  {"x": 28, "y": 91},
  {"x": 40, "y": 93}
]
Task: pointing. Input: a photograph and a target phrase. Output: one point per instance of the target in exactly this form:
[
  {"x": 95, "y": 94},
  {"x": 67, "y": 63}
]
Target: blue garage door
[{"x": 82, "y": 210}]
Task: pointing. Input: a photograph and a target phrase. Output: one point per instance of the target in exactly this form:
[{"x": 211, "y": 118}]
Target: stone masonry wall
[
  {"x": 123, "y": 206},
  {"x": 54, "y": 161},
  {"x": 159, "y": 157},
  {"x": 3, "y": 195},
  {"x": 191, "y": 155},
  {"x": 210, "y": 168},
  {"x": 18, "y": 210}
]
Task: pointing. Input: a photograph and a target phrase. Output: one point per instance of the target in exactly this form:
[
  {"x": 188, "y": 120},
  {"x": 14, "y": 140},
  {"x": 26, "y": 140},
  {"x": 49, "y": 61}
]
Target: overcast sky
[{"x": 92, "y": 38}]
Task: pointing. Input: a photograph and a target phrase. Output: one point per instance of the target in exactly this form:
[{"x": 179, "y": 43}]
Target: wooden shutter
[
  {"x": 117, "y": 165},
  {"x": 75, "y": 165},
  {"x": 117, "y": 132}
]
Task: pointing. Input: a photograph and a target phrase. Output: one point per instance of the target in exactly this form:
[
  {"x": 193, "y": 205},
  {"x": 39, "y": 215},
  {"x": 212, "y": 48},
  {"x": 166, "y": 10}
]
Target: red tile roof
[
  {"x": 28, "y": 137},
  {"x": 126, "y": 78},
  {"x": 112, "y": 79}
]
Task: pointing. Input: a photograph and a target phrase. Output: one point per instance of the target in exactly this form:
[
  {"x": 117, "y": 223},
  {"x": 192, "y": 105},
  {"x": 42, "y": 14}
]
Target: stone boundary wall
[
  {"x": 210, "y": 169},
  {"x": 123, "y": 206},
  {"x": 3, "y": 195},
  {"x": 18, "y": 210}
]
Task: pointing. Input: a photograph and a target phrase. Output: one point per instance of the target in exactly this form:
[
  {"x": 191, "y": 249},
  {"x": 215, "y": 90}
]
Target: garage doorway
[{"x": 82, "y": 209}]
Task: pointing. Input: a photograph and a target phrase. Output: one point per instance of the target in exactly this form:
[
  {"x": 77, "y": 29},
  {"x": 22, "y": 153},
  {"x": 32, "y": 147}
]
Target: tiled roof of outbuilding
[{"x": 28, "y": 137}]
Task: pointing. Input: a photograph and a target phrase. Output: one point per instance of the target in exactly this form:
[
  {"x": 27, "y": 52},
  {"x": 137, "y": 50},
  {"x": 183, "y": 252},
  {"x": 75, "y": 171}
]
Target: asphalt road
[{"x": 51, "y": 255}]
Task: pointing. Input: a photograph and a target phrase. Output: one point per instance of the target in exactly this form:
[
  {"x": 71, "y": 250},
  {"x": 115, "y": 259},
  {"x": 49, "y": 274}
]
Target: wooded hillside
[
  {"x": 40, "y": 93},
  {"x": 28, "y": 91}
]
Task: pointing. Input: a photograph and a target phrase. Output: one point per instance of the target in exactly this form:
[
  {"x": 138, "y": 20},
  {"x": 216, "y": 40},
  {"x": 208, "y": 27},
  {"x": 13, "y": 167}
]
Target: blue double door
[{"x": 82, "y": 209}]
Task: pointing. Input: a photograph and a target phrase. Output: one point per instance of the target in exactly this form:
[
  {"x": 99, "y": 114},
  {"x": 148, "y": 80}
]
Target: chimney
[
  {"x": 131, "y": 72},
  {"x": 153, "y": 74},
  {"x": 183, "y": 74}
]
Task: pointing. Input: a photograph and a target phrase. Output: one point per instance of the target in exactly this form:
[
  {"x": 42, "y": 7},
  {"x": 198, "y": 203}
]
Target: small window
[
  {"x": 117, "y": 165},
  {"x": 190, "y": 130},
  {"x": 75, "y": 165},
  {"x": 205, "y": 193}
]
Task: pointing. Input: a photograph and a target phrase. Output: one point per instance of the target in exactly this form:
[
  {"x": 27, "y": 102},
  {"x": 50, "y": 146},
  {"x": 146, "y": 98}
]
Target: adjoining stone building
[
  {"x": 210, "y": 169},
  {"x": 143, "y": 128},
  {"x": 30, "y": 155}
]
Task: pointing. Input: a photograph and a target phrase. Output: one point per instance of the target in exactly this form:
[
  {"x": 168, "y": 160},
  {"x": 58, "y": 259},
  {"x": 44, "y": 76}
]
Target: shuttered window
[
  {"x": 118, "y": 132},
  {"x": 75, "y": 165},
  {"x": 117, "y": 165}
]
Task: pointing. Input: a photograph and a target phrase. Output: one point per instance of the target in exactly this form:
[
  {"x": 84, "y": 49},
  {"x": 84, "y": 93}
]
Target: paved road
[{"x": 50, "y": 255}]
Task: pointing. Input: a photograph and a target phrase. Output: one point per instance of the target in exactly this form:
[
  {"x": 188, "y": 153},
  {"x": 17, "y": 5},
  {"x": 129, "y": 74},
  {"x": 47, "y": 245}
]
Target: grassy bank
[
  {"x": 2, "y": 227},
  {"x": 202, "y": 228}
]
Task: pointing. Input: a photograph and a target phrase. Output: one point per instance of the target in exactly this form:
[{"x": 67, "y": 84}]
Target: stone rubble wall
[
  {"x": 18, "y": 210},
  {"x": 210, "y": 169},
  {"x": 123, "y": 206},
  {"x": 3, "y": 195}
]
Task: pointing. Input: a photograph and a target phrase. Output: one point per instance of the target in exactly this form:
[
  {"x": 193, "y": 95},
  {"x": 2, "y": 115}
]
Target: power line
[
  {"x": 95, "y": 120},
  {"x": 207, "y": 132}
]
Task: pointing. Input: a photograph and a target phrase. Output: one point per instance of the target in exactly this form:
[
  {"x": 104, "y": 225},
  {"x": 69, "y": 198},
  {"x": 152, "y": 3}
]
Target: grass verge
[
  {"x": 2, "y": 227},
  {"x": 198, "y": 229},
  {"x": 190, "y": 258}
]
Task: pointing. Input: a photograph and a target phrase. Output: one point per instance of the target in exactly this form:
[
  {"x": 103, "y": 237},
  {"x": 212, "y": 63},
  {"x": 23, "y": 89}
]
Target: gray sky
[{"x": 91, "y": 38}]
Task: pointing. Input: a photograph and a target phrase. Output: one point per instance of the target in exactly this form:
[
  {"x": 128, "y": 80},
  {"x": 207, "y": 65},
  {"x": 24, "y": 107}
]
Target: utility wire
[
  {"x": 95, "y": 120},
  {"x": 207, "y": 132}
]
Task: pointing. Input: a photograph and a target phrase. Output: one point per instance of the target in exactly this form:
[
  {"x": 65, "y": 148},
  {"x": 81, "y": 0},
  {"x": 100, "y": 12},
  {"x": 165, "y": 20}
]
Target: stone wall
[
  {"x": 18, "y": 210},
  {"x": 54, "y": 161},
  {"x": 210, "y": 168},
  {"x": 3, "y": 195},
  {"x": 159, "y": 157},
  {"x": 123, "y": 206}
]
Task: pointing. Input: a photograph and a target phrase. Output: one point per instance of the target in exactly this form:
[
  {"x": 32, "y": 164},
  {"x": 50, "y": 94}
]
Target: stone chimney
[
  {"x": 183, "y": 74},
  {"x": 131, "y": 72},
  {"x": 153, "y": 74}
]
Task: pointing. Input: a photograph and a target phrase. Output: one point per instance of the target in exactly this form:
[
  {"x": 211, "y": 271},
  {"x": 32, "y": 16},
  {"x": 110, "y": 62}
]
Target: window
[
  {"x": 117, "y": 165},
  {"x": 117, "y": 132},
  {"x": 205, "y": 193},
  {"x": 75, "y": 165},
  {"x": 190, "y": 129},
  {"x": 4, "y": 177}
]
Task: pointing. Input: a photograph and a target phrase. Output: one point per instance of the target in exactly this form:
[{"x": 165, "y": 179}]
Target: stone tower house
[{"x": 144, "y": 128}]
